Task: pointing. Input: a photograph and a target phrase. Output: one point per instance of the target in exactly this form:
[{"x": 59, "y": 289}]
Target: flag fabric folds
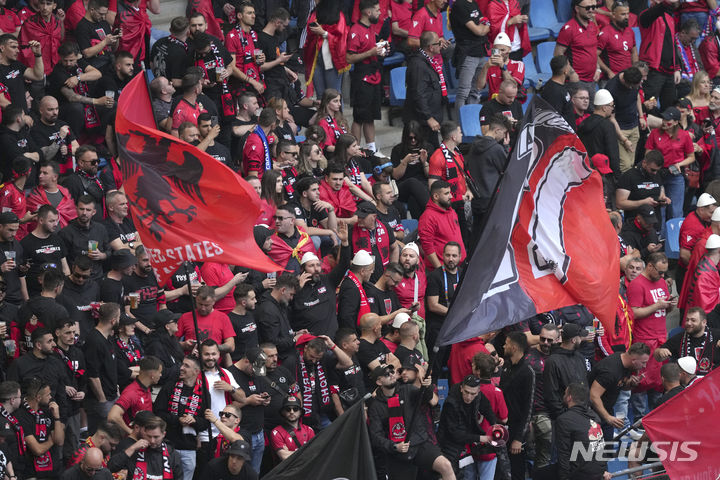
[
  {"x": 185, "y": 204},
  {"x": 341, "y": 451},
  {"x": 548, "y": 241}
]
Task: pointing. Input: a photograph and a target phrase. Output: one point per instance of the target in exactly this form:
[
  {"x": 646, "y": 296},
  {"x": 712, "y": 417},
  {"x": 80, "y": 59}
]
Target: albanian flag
[
  {"x": 548, "y": 241},
  {"x": 186, "y": 205},
  {"x": 683, "y": 430}
]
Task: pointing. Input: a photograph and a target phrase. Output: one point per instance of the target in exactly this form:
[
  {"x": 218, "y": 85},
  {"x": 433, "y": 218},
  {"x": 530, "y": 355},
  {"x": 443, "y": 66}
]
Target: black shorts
[
  {"x": 366, "y": 101},
  {"x": 399, "y": 468}
]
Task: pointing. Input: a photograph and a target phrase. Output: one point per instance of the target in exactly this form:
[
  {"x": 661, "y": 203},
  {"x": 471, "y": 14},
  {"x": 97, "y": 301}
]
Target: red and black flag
[
  {"x": 186, "y": 205},
  {"x": 548, "y": 241}
]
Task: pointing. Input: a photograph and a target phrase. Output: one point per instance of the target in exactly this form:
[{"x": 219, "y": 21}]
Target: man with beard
[
  {"x": 240, "y": 42},
  {"x": 16, "y": 289},
  {"x": 150, "y": 455},
  {"x": 289, "y": 242},
  {"x": 84, "y": 236},
  {"x": 217, "y": 65},
  {"x": 616, "y": 42},
  {"x": 13, "y": 73},
  {"x": 695, "y": 224},
  {"x": 122, "y": 264},
  {"x": 273, "y": 315},
  {"x": 291, "y": 434},
  {"x": 439, "y": 225},
  {"x": 387, "y": 213},
  {"x": 349, "y": 380},
  {"x": 94, "y": 35},
  {"x": 39, "y": 417},
  {"x": 373, "y": 236},
  {"x": 54, "y": 136},
  {"x": 242, "y": 320},
  {"x": 564, "y": 366},
  {"x": 698, "y": 341},
  {"x": 411, "y": 289},
  {"x": 10, "y": 428},
  {"x": 364, "y": 52},
  {"x": 181, "y": 404},
  {"x": 209, "y": 322},
  {"x": 598, "y": 132},
  {"x": 541, "y": 424},
  {"x": 284, "y": 382},
  {"x": 334, "y": 191},
  {"x": 372, "y": 351},
  {"x": 90, "y": 468},
  {"x": 142, "y": 282},
  {"x": 208, "y": 143},
  {"x": 352, "y": 300},
  {"x": 381, "y": 295},
  {"x": 316, "y": 216},
  {"x": 314, "y": 306},
  {"x": 74, "y": 361},
  {"x": 317, "y": 393},
  {"x": 233, "y": 466},
  {"x": 578, "y": 41},
  {"x": 106, "y": 438},
  {"x": 48, "y": 192},
  {"x": 42, "y": 246},
  {"x": 85, "y": 180},
  {"x": 441, "y": 285},
  {"x": 121, "y": 230}
]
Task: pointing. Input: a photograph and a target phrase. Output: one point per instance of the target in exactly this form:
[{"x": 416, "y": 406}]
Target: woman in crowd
[
  {"x": 271, "y": 196},
  {"x": 312, "y": 161},
  {"x": 286, "y": 123},
  {"x": 410, "y": 162},
  {"x": 128, "y": 351},
  {"x": 349, "y": 154},
  {"x": 325, "y": 46},
  {"x": 700, "y": 96},
  {"x": 331, "y": 119}
]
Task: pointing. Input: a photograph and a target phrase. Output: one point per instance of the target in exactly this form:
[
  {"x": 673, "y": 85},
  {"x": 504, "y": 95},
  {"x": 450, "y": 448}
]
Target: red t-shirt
[
  {"x": 405, "y": 290},
  {"x": 361, "y": 38},
  {"x": 402, "y": 14},
  {"x": 186, "y": 112},
  {"x": 216, "y": 326},
  {"x": 674, "y": 150},
  {"x": 9, "y": 21},
  {"x": 134, "y": 399},
  {"x": 616, "y": 47},
  {"x": 495, "y": 77},
  {"x": 217, "y": 275},
  {"x": 452, "y": 173},
  {"x": 254, "y": 156},
  {"x": 642, "y": 293},
  {"x": 280, "y": 437},
  {"x": 691, "y": 230},
  {"x": 499, "y": 407},
  {"x": 13, "y": 200},
  {"x": 582, "y": 44},
  {"x": 424, "y": 21}
]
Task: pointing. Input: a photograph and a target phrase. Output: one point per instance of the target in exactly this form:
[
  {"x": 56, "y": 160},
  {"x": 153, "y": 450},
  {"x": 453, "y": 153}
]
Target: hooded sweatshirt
[
  {"x": 485, "y": 163},
  {"x": 436, "y": 227}
]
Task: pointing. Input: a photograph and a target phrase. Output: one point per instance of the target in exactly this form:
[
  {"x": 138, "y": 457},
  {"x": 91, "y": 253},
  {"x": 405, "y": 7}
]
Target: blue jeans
[
  {"x": 621, "y": 407},
  {"x": 258, "y": 447},
  {"x": 675, "y": 190},
  {"x": 466, "y": 78},
  {"x": 188, "y": 458},
  {"x": 324, "y": 79},
  {"x": 479, "y": 471}
]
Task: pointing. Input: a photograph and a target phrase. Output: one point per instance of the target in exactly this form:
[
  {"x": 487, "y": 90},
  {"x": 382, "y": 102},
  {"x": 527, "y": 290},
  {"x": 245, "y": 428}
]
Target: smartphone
[
  {"x": 495, "y": 51},
  {"x": 314, "y": 24},
  {"x": 116, "y": 32}
]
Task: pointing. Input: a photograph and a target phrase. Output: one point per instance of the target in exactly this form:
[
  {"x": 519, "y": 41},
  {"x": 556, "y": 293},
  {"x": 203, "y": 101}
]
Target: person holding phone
[{"x": 500, "y": 66}]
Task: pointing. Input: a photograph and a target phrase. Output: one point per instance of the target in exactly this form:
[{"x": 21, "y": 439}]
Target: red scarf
[
  {"x": 364, "y": 239},
  {"x": 228, "y": 105},
  {"x": 131, "y": 351},
  {"x": 364, "y": 305},
  {"x": 44, "y": 462},
  {"x": 136, "y": 26},
  {"x": 396, "y": 430},
  {"x": 222, "y": 444},
  {"x": 438, "y": 67},
  {"x": 193, "y": 403},
  {"x": 50, "y": 37},
  {"x": 89, "y": 113},
  {"x": 140, "y": 472},
  {"x": 74, "y": 367},
  {"x": 224, "y": 377},
  {"x": 15, "y": 425},
  {"x": 308, "y": 385},
  {"x": 341, "y": 200}
]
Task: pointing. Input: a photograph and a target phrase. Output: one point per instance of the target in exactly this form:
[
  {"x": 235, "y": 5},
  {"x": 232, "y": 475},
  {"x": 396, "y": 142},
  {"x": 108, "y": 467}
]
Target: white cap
[
  {"x": 712, "y": 242},
  {"x": 602, "y": 97},
  {"x": 363, "y": 259},
  {"x": 399, "y": 319},
  {"x": 705, "y": 200},
  {"x": 412, "y": 246},
  {"x": 502, "y": 39},
  {"x": 716, "y": 215},
  {"x": 688, "y": 364},
  {"x": 308, "y": 257}
]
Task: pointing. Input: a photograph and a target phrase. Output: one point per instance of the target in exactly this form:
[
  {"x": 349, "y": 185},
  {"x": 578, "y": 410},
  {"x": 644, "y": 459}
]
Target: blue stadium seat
[
  {"x": 527, "y": 102},
  {"x": 672, "y": 237},
  {"x": 532, "y": 76},
  {"x": 638, "y": 37},
  {"x": 564, "y": 10},
  {"x": 544, "y": 55},
  {"x": 409, "y": 224},
  {"x": 443, "y": 389},
  {"x": 538, "y": 34},
  {"x": 396, "y": 58},
  {"x": 542, "y": 15},
  {"x": 397, "y": 86},
  {"x": 447, "y": 33},
  {"x": 675, "y": 331},
  {"x": 470, "y": 121}
]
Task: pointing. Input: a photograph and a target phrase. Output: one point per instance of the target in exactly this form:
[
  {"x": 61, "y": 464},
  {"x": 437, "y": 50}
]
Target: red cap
[{"x": 601, "y": 163}]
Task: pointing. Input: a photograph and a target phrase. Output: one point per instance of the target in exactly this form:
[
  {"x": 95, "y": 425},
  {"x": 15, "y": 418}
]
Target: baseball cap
[
  {"x": 715, "y": 216},
  {"x": 647, "y": 213},
  {"x": 684, "y": 103},
  {"x": 712, "y": 242},
  {"x": 412, "y": 246},
  {"x": 602, "y": 97},
  {"x": 671, "y": 113},
  {"x": 163, "y": 317},
  {"x": 8, "y": 217},
  {"x": 601, "y": 163},
  {"x": 363, "y": 259},
  {"x": 704, "y": 200},
  {"x": 290, "y": 401},
  {"x": 365, "y": 208},
  {"x": 399, "y": 319},
  {"x": 308, "y": 257},
  {"x": 241, "y": 448},
  {"x": 502, "y": 39},
  {"x": 571, "y": 330},
  {"x": 381, "y": 371},
  {"x": 688, "y": 364},
  {"x": 127, "y": 319},
  {"x": 409, "y": 364}
]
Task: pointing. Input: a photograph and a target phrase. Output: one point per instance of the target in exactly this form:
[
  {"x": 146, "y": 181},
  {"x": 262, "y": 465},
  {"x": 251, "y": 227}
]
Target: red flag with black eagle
[
  {"x": 548, "y": 241},
  {"x": 186, "y": 205}
]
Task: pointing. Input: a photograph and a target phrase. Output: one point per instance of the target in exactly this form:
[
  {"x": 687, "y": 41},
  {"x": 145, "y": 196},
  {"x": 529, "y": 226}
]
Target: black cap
[
  {"x": 671, "y": 113},
  {"x": 648, "y": 214},
  {"x": 409, "y": 365},
  {"x": 290, "y": 401},
  {"x": 381, "y": 371},
  {"x": 684, "y": 103},
  {"x": 571, "y": 330},
  {"x": 123, "y": 258},
  {"x": 365, "y": 208},
  {"x": 241, "y": 448},
  {"x": 8, "y": 217},
  {"x": 163, "y": 317},
  {"x": 127, "y": 320}
]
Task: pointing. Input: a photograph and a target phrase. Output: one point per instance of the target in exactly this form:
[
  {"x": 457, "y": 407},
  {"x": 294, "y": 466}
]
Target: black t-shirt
[
  {"x": 100, "y": 361},
  {"x": 112, "y": 290},
  {"x": 559, "y": 98},
  {"x": 125, "y": 231},
  {"x": 369, "y": 352},
  {"x": 253, "y": 416},
  {"x": 220, "y": 153},
  {"x": 15, "y": 144},
  {"x": 641, "y": 185},
  {"x": 44, "y": 135},
  {"x": 283, "y": 381},
  {"x": 626, "y": 112},
  {"x": 381, "y": 302},
  {"x": 442, "y": 285},
  {"x": 88, "y": 34},
  {"x": 177, "y": 280},
  {"x": 391, "y": 218},
  {"x": 217, "y": 470},
  {"x": 610, "y": 374},
  {"x": 39, "y": 251},
  {"x": 270, "y": 45},
  {"x": 246, "y": 335},
  {"x": 149, "y": 295},
  {"x": 344, "y": 378},
  {"x": 312, "y": 217},
  {"x": 40, "y": 425},
  {"x": 58, "y": 76},
  {"x": 12, "y": 76},
  {"x": 12, "y": 277},
  {"x": 405, "y": 355},
  {"x": 464, "y": 11},
  {"x": 170, "y": 57},
  {"x": 492, "y": 107}
]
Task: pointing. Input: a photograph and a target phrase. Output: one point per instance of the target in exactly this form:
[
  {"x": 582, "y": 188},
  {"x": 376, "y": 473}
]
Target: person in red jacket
[
  {"x": 48, "y": 29},
  {"x": 133, "y": 18},
  {"x": 505, "y": 16},
  {"x": 578, "y": 40},
  {"x": 439, "y": 225},
  {"x": 336, "y": 191},
  {"x": 12, "y": 197},
  {"x": 710, "y": 54},
  {"x": 257, "y": 152},
  {"x": 693, "y": 227}
]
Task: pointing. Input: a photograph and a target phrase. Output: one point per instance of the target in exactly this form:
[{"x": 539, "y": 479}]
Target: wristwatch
[{"x": 232, "y": 392}]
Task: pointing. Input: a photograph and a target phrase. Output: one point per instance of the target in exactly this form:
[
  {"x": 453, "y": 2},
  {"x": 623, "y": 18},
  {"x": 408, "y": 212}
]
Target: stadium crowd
[{"x": 224, "y": 372}]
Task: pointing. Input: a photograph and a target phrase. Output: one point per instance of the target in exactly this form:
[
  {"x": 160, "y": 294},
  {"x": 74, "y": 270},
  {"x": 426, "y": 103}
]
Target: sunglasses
[
  {"x": 81, "y": 276},
  {"x": 228, "y": 415},
  {"x": 91, "y": 162},
  {"x": 292, "y": 409},
  {"x": 546, "y": 340},
  {"x": 589, "y": 8},
  {"x": 294, "y": 154},
  {"x": 280, "y": 218}
]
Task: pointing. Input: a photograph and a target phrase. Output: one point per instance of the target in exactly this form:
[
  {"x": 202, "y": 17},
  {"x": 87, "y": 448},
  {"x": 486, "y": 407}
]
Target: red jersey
[
  {"x": 616, "y": 47},
  {"x": 494, "y": 75},
  {"x": 242, "y": 44},
  {"x": 694, "y": 6},
  {"x": 217, "y": 275},
  {"x": 691, "y": 230},
  {"x": 449, "y": 166},
  {"x": 710, "y": 55},
  {"x": 25, "y": 12},
  {"x": 411, "y": 290},
  {"x": 133, "y": 399},
  {"x": 460, "y": 360},
  {"x": 604, "y": 20},
  {"x": 499, "y": 12},
  {"x": 186, "y": 112},
  {"x": 402, "y": 14},
  {"x": 384, "y": 8},
  {"x": 216, "y": 326},
  {"x": 13, "y": 200},
  {"x": 361, "y": 39},
  {"x": 642, "y": 293},
  {"x": 49, "y": 34},
  {"x": 675, "y": 149},
  {"x": 9, "y": 21},
  {"x": 333, "y": 129},
  {"x": 254, "y": 156},
  {"x": 582, "y": 45},
  {"x": 280, "y": 438},
  {"x": 425, "y": 21}
]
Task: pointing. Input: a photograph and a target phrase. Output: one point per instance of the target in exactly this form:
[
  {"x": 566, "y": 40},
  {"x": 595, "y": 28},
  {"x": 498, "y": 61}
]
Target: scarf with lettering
[
  {"x": 308, "y": 385},
  {"x": 438, "y": 67},
  {"x": 245, "y": 59},
  {"x": 74, "y": 367},
  {"x": 364, "y": 239},
  {"x": 130, "y": 350},
  {"x": 704, "y": 364},
  {"x": 44, "y": 462},
  {"x": 194, "y": 400},
  {"x": 396, "y": 421},
  {"x": 226, "y": 99},
  {"x": 364, "y": 305},
  {"x": 266, "y": 148},
  {"x": 15, "y": 425},
  {"x": 141, "y": 465},
  {"x": 334, "y": 127}
]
